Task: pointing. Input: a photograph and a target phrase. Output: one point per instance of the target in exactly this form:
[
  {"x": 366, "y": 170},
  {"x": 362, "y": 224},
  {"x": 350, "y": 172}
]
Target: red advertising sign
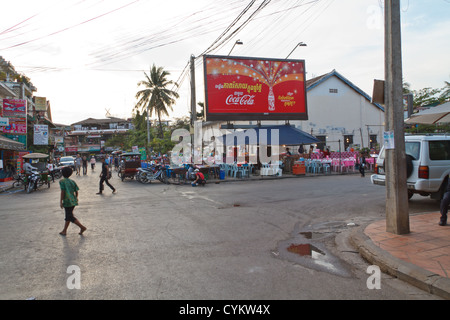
[
  {"x": 14, "y": 108},
  {"x": 241, "y": 88},
  {"x": 16, "y": 126}
]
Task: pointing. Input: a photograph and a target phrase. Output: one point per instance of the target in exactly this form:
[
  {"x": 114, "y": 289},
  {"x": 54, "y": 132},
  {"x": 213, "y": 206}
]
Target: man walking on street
[{"x": 104, "y": 177}]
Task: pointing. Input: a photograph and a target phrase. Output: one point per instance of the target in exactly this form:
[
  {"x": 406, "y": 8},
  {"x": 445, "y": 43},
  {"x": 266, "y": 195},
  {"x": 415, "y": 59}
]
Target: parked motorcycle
[
  {"x": 40, "y": 177},
  {"x": 36, "y": 180},
  {"x": 147, "y": 175},
  {"x": 57, "y": 172}
]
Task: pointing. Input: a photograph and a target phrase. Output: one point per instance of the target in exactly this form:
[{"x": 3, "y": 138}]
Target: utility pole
[
  {"x": 397, "y": 210},
  {"x": 193, "y": 99},
  {"x": 148, "y": 131},
  {"x": 193, "y": 108}
]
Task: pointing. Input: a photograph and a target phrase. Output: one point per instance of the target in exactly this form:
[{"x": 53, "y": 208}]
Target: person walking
[
  {"x": 362, "y": 164},
  {"x": 104, "y": 177},
  {"x": 78, "y": 164},
  {"x": 445, "y": 202},
  {"x": 84, "y": 165},
  {"x": 68, "y": 200},
  {"x": 93, "y": 163}
]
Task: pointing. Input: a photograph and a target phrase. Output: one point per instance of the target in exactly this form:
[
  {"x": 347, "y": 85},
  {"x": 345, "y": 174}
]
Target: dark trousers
[
  {"x": 104, "y": 179},
  {"x": 445, "y": 202},
  {"x": 361, "y": 169}
]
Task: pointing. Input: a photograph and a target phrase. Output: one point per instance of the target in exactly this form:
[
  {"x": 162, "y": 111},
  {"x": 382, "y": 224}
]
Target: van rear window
[
  {"x": 439, "y": 150},
  {"x": 413, "y": 149}
]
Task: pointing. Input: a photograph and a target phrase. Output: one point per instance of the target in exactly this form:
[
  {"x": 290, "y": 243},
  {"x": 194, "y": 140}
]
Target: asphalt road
[{"x": 233, "y": 240}]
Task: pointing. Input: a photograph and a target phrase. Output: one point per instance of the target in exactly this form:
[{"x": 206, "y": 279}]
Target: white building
[{"x": 339, "y": 111}]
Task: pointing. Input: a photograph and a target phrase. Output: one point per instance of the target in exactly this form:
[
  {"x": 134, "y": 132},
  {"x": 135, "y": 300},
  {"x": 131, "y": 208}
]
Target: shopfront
[{"x": 11, "y": 153}]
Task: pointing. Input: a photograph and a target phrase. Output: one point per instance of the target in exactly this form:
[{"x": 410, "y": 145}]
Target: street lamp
[
  {"x": 237, "y": 42},
  {"x": 300, "y": 44}
]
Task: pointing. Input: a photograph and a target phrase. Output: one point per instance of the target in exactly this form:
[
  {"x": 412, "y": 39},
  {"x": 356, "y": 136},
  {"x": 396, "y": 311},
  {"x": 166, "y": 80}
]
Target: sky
[{"x": 87, "y": 56}]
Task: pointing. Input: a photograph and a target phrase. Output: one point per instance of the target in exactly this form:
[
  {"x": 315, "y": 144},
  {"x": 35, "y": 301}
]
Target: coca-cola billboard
[{"x": 242, "y": 88}]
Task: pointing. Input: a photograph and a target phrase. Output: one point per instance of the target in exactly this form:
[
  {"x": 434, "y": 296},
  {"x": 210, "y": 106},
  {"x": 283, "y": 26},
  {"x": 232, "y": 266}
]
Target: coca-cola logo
[{"x": 244, "y": 100}]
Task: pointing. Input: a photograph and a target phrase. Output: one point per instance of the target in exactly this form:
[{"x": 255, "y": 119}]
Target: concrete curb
[{"x": 403, "y": 270}]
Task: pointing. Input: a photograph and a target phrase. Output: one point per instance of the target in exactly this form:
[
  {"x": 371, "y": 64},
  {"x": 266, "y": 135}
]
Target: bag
[{"x": 109, "y": 175}]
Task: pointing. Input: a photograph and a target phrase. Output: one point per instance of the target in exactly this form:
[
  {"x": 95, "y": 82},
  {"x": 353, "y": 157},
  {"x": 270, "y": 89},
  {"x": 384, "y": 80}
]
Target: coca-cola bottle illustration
[{"x": 271, "y": 99}]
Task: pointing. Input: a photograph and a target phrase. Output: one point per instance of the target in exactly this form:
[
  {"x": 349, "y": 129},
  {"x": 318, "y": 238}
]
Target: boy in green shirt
[{"x": 69, "y": 199}]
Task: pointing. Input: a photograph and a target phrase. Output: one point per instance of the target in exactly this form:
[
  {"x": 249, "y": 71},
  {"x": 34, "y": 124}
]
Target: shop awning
[
  {"x": 287, "y": 135},
  {"x": 9, "y": 144}
]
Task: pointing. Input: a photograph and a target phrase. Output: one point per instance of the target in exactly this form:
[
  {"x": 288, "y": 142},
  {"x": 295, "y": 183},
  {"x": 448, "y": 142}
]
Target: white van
[{"x": 427, "y": 165}]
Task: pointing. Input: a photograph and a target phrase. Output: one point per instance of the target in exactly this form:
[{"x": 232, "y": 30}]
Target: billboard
[
  {"x": 40, "y": 103},
  {"x": 14, "y": 108},
  {"x": 245, "y": 88},
  {"x": 40, "y": 134}
]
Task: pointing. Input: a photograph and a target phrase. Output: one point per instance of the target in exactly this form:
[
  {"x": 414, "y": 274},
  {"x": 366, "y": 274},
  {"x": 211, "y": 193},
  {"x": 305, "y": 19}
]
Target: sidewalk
[
  {"x": 421, "y": 258},
  {"x": 5, "y": 186}
]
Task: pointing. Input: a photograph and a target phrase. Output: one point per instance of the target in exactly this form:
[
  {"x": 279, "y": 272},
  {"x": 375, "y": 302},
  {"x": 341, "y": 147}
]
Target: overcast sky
[{"x": 87, "y": 56}]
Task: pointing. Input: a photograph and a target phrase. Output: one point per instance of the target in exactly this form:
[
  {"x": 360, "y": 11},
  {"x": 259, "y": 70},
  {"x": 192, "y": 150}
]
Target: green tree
[
  {"x": 445, "y": 92},
  {"x": 156, "y": 97}
]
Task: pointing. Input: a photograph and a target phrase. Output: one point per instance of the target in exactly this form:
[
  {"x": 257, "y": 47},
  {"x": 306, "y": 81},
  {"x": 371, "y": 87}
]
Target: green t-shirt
[{"x": 69, "y": 187}]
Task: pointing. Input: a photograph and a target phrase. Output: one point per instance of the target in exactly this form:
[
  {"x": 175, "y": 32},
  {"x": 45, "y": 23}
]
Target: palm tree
[{"x": 155, "y": 97}]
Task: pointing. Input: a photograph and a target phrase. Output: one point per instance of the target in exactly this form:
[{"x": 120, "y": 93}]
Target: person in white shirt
[{"x": 28, "y": 168}]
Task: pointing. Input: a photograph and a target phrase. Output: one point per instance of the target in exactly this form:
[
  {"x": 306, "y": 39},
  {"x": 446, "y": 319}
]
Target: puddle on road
[{"x": 307, "y": 250}]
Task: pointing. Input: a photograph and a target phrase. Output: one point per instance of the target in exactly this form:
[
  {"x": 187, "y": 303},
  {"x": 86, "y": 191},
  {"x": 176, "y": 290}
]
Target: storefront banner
[
  {"x": 40, "y": 103},
  {"x": 254, "y": 88},
  {"x": 71, "y": 149},
  {"x": 15, "y": 126},
  {"x": 3, "y": 122},
  {"x": 14, "y": 108},
  {"x": 40, "y": 134}
]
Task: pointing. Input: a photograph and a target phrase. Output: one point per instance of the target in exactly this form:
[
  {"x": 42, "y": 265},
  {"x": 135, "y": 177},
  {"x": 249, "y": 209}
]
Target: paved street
[{"x": 233, "y": 240}]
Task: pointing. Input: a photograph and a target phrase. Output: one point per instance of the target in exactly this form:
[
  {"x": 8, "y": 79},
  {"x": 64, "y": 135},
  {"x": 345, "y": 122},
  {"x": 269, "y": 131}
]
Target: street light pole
[
  {"x": 300, "y": 44},
  {"x": 237, "y": 42}
]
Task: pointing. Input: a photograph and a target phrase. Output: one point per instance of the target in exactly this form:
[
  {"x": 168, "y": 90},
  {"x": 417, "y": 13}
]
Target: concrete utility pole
[
  {"x": 193, "y": 108},
  {"x": 193, "y": 98},
  {"x": 397, "y": 210}
]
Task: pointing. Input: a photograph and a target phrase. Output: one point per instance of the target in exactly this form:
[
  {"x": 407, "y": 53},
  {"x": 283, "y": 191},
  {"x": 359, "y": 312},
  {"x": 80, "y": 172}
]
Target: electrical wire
[{"x": 70, "y": 27}]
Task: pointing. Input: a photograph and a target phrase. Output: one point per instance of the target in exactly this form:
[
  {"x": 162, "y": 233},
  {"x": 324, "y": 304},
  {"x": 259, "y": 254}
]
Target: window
[
  {"x": 373, "y": 141},
  {"x": 413, "y": 149},
  {"x": 348, "y": 141},
  {"x": 322, "y": 143},
  {"x": 439, "y": 150},
  {"x": 333, "y": 90}
]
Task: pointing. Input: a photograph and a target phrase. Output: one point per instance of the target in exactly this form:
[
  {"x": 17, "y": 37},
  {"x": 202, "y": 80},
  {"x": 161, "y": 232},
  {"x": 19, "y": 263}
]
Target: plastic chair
[
  {"x": 243, "y": 171},
  {"x": 264, "y": 169}
]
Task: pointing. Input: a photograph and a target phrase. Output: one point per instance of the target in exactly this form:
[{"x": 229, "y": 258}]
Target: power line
[{"x": 71, "y": 27}]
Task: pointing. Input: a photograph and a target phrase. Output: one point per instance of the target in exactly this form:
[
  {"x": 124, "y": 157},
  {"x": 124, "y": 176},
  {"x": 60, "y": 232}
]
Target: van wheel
[{"x": 410, "y": 194}]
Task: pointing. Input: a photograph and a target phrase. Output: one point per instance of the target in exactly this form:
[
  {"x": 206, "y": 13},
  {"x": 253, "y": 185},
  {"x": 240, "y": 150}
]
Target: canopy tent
[
  {"x": 438, "y": 114},
  {"x": 9, "y": 144},
  {"x": 287, "y": 135},
  {"x": 35, "y": 156}
]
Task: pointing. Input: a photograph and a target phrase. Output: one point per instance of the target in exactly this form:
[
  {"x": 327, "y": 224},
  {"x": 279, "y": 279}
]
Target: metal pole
[
  {"x": 397, "y": 211},
  {"x": 148, "y": 131}
]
